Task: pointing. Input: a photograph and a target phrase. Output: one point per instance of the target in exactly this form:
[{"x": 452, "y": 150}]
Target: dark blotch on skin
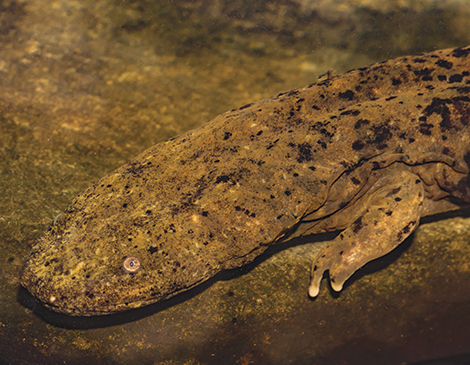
[
  {"x": 455, "y": 78},
  {"x": 466, "y": 158},
  {"x": 305, "y": 152},
  {"x": 446, "y": 151},
  {"x": 245, "y": 106},
  {"x": 357, "y": 225},
  {"x": 439, "y": 106},
  {"x": 348, "y": 95},
  {"x": 407, "y": 228},
  {"x": 425, "y": 72},
  {"x": 393, "y": 192},
  {"x": 222, "y": 178},
  {"x": 361, "y": 122},
  {"x": 355, "y": 181},
  {"x": 152, "y": 249},
  {"x": 271, "y": 145},
  {"x": 460, "y": 52},
  {"x": 425, "y": 128},
  {"x": 382, "y": 134},
  {"x": 445, "y": 64},
  {"x": 357, "y": 145},
  {"x": 354, "y": 113}
]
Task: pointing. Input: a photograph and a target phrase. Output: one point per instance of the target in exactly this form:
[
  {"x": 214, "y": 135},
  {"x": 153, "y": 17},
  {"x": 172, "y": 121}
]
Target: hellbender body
[{"x": 368, "y": 152}]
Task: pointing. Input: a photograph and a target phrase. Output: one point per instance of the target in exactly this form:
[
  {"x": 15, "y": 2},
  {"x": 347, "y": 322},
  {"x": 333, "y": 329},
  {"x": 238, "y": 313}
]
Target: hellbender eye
[{"x": 131, "y": 265}]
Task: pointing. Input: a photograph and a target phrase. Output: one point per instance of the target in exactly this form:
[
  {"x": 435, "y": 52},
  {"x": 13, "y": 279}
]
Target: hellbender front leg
[{"x": 393, "y": 208}]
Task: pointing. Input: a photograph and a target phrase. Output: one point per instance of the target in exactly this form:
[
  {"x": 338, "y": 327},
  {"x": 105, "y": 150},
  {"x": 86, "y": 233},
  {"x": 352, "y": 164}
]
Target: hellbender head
[
  {"x": 92, "y": 264},
  {"x": 159, "y": 225}
]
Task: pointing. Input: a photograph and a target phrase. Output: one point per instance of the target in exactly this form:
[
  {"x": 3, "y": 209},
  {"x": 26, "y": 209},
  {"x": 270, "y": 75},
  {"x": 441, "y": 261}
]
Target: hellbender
[{"x": 368, "y": 152}]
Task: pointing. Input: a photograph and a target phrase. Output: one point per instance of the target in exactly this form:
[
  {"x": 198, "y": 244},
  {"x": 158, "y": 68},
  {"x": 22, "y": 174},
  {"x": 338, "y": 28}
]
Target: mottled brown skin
[{"x": 368, "y": 152}]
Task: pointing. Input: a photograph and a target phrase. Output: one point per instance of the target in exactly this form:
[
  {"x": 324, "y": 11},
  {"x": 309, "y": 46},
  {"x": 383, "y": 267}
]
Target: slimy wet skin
[{"x": 368, "y": 152}]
